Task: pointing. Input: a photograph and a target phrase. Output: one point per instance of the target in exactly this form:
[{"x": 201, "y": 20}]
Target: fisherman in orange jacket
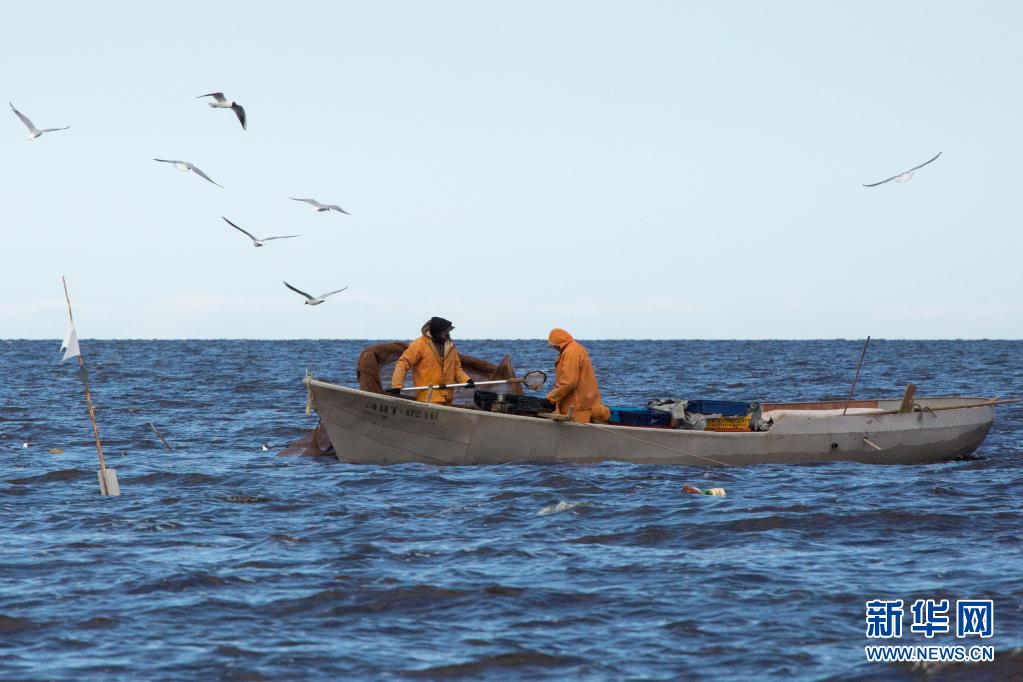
[
  {"x": 575, "y": 384},
  {"x": 433, "y": 361}
]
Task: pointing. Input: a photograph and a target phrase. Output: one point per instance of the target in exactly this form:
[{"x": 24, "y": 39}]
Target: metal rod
[
  {"x": 85, "y": 380},
  {"x": 856, "y": 378},
  {"x": 478, "y": 383}
]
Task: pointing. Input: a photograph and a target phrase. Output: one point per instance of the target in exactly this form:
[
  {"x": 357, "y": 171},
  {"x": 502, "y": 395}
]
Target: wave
[
  {"x": 10, "y": 625},
  {"x": 191, "y": 478},
  {"x": 52, "y": 477},
  {"x": 182, "y": 582},
  {"x": 506, "y": 663},
  {"x": 561, "y": 506},
  {"x": 245, "y": 499}
]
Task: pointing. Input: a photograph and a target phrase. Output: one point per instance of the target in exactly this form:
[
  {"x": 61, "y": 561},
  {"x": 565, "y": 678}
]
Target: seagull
[
  {"x": 907, "y": 176},
  {"x": 25, "y": 444},
  {"x": 256, "y": 241},
  {"x": 265, "y": 447},
  {"x": 34, "y": 132},
  {"x": 185, "y": 166},
  {"x": 313, "y": 300},
  {"x": 320, "y": 208},
  {"x": 221, "y": 102}
]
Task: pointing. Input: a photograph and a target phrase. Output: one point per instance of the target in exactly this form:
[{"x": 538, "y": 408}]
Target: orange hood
[{"x": 560, "y": 338}]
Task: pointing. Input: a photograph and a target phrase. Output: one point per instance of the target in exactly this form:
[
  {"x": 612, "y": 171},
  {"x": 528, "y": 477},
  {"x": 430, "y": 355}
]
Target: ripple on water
[{"x": 233, "y": 563}]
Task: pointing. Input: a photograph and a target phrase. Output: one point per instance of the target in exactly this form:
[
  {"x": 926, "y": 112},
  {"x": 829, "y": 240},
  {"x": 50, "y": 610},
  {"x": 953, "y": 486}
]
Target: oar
[{"x": 533, "y": 379}]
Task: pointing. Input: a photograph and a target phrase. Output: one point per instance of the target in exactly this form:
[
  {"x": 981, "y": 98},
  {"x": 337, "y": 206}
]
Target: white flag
[{"x": 70, "y": 345}]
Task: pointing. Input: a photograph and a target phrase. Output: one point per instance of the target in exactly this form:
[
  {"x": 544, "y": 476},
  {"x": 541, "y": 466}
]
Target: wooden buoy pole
[
  {"x": 856, "y": 378},
  {"x": 107, "y": 478}
]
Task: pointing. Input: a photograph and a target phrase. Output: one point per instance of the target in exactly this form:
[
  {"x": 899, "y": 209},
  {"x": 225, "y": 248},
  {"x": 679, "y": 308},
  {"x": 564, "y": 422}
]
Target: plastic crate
[
  {"x": 511, "y": 403},
  {"x": 728, "y": 424},
  {"x": 726, "y": 408},
  {"x": 640, "y": 416}
]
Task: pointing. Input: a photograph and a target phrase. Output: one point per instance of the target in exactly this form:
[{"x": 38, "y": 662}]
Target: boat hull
[{"x": 369, "y": 428}]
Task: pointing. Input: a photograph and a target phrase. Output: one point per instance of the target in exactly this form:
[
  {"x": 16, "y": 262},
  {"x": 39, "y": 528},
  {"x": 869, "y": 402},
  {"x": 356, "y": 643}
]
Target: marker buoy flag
[
  {"x": 70, "y": 345},
  {"x": 107, "y": 477}
]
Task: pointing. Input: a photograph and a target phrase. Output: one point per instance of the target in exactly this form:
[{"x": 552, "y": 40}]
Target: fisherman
[
  {"x": 575, "y": 384},
  {"x": 434, "y": 362}
]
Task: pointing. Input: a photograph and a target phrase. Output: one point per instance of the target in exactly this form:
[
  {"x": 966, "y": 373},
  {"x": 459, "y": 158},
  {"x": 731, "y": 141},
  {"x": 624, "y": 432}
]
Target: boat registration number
[{"x": 410, "y": 411}]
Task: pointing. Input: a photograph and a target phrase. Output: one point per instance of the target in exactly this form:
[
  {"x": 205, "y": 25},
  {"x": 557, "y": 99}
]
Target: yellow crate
[{"x": 728, "y": 424}]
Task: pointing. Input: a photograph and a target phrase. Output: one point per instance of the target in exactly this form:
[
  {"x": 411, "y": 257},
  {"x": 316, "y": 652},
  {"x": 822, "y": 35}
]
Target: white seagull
[
  {"x": 34, "y": 132},
  {"x": 185, "y": 166},
  {"x": 907, "y": 176},
  {"x": 221, "y": 102},
  {"x": 255, "y": 240},
  {"x": 320, "y": 208},
  {"x": 314, "y": 300}
]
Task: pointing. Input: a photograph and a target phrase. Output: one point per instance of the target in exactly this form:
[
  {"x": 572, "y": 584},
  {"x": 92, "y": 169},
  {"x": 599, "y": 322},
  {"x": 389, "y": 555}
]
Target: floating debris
[
  {"x": 713, "y": 492},
  {"x": 55, "y": 451}
]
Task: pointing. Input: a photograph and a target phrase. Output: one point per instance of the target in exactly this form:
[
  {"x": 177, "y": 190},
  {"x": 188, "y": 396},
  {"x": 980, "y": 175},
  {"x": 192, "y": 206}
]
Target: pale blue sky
[{"x": 628, "y": 169}]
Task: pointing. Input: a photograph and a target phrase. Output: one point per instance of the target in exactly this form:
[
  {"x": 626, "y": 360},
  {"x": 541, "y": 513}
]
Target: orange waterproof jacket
[
  {"x": 428, "y": 368},
  {"x": 575, "y": 383}
]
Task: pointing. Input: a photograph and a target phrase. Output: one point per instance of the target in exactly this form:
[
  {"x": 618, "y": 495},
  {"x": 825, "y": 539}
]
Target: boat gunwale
[{"x": 972, "y": 403}]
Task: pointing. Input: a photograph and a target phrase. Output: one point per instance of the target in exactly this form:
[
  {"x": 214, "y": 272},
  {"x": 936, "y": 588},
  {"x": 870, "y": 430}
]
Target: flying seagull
[
  {"x": 314, "y": 300},
  {"x": 320, "y": 208},
  {"x": 185, "y": 166},
  {"x": 221, "y": 102},
  {"x": 255, "y": 240},
  {"x": 907, "y": 176},
  {"x": 34, "y": 132}
]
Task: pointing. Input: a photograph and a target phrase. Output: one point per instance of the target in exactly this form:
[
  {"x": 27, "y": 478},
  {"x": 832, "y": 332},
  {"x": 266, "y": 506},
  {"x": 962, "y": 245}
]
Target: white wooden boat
[{"x": 369, "y": 428}]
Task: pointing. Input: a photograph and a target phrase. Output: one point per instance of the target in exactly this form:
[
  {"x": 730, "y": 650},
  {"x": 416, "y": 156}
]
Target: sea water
[{"x": 221, "y": 560}]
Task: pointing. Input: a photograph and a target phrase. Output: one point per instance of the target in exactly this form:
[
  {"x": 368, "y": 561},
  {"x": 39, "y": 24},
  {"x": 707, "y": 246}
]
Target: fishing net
[
  {"x": 373, "y": 371},
  {"x": 534, "y": 380}
]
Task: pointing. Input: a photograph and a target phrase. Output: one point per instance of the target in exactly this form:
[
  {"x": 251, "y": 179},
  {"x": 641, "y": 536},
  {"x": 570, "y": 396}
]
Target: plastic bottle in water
[{"x": 714, "y": 492}]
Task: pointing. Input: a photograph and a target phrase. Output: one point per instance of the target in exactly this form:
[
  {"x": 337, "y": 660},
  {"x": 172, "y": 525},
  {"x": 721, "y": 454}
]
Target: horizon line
[{"x": 494, "y": 338}]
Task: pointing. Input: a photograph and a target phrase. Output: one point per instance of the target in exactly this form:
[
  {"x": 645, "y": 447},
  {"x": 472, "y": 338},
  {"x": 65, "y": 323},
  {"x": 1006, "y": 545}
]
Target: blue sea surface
[{"x": 224, "y": 561}]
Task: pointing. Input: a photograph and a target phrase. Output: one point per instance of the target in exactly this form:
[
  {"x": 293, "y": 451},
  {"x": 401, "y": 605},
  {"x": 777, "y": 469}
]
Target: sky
[{"x": 620, "y": 169}]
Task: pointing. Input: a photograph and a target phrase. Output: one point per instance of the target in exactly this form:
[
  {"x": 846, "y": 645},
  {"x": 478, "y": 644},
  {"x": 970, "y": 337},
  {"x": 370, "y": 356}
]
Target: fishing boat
[{"x": 371, "y": 428}]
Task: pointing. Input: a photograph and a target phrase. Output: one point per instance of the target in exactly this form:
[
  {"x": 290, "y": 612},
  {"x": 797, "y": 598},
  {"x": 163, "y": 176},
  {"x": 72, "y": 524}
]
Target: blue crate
[
  {"x": 726, "y": 408},
  {"x": 640, "y": 416}
]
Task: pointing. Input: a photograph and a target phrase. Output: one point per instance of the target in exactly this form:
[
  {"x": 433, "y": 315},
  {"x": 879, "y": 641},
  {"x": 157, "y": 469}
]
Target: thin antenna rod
[{"x": 857, "y": 377}]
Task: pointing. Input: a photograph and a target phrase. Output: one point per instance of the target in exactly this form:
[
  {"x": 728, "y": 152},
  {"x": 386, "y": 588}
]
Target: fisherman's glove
[
  {"x": 396, "y": 392},
  {"x": 470, "y": 384}
]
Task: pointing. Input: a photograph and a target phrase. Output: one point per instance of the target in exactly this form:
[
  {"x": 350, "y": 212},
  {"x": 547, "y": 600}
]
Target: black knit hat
[{"x": 439, "y": 325}]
